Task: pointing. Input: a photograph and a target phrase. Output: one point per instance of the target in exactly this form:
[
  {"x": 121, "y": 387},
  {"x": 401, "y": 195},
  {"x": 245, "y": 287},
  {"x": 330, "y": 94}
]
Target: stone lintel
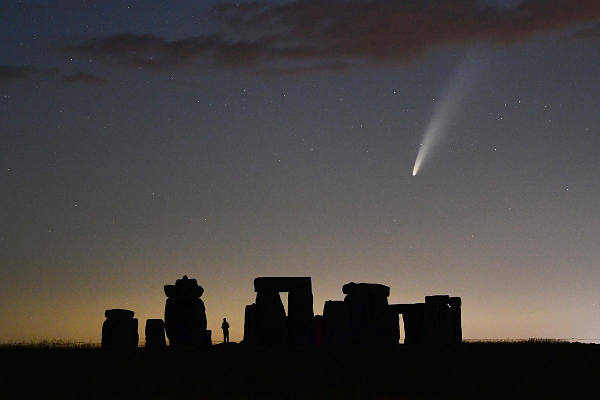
[{"x": 283, "y": 284}]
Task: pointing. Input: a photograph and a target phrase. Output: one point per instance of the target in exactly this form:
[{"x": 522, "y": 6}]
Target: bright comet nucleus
[{"x": 445, "y": 109}]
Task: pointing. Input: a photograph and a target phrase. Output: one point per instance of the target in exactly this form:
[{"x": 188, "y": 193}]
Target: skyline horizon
[{"x": 144, "y": 141}]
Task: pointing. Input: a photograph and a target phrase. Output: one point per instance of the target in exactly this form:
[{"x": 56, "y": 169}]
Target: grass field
[{"x": 532, "y": 370}]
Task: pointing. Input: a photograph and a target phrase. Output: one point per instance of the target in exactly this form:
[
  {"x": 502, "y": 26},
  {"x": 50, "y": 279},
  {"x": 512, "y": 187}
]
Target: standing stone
[
  {"x": 120, "y": 330},
  {"x": 360, "y": 318},
  {"x": 413, "y": 316},
  {"x": 381, "y": 322},
  {"x": 436, "y": 307},
  {"x": 155, "y": 334},
  {"x": 318, "y": 330},
  {"x": 394, "y": 328},
  {"x": 251, "y": 331},
  {"x": 185, "y": 315},
  {"x": 455, "y": 317},
  {"x": 336, "y": 324},
  {"x": 272, "y": 321},
  {"x": 266, "y": 322},
  {"x": 301, "y": 317}
]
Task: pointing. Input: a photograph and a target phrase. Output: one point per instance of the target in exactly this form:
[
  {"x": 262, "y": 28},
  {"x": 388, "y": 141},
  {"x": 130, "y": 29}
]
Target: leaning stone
[
  {"x": 369, "y": 289},
  {"x": 282, "y": 284}
]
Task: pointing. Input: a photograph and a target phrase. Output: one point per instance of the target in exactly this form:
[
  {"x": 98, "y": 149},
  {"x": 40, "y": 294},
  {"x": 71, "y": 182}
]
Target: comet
[{"x": 446, "y": 109}]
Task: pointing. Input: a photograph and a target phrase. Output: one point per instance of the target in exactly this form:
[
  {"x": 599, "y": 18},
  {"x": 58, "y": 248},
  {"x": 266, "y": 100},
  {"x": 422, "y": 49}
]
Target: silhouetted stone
[
  {"x": 437, "y": 299},
  {"x": 155, "y": 333},
  {"x": 184, "y": 288},
  {"x": 118, "y": 313},
  {"x": 318, "y": 326},
  {"x": 456, "y": 324},
  {"x": 394, "y": 328},
  {"x": 185, "y": 315},
  {"x": 384, "y": 324},
  {"x": 413, "y": 316},
  {"x": 251, "y": 330},
  {"x": 336, "y": 323},
  {"x": 368, "y": 289},
  {"x": 438, "y": 320},
  {"x": 282, "y": 284},
  {"x": 301, "y": 317},
  {"x": 206, "y": 338},
  {"x": 120, "y": 330},
  {"x": 272, "y": 321},
  {"x": 266, "y": 322},
  {"x": 360, "y": 318}
]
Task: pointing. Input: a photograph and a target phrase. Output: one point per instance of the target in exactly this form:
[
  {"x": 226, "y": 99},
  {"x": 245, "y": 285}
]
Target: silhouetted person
[{"x": 225, "y": 327}]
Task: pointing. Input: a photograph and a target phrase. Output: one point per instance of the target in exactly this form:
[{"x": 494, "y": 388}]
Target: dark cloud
[
  {"x": 592, "y": 32},
  {"x": 14, "y": 72},
  {"x": 268, "y": 36},
  {"x": 150, "y": 52},
  {"x": 85, "y": 78}
]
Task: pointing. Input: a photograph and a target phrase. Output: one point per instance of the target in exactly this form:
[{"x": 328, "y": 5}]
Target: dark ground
[{"x": 467, "y": 371}]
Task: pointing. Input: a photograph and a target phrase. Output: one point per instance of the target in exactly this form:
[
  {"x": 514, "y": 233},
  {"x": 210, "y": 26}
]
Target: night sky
[{"x": 144, "y": 140}]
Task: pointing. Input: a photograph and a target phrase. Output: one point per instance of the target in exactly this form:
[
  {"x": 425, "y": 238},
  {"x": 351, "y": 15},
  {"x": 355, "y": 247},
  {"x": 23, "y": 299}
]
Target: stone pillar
[
  {"x": 360, "y": 318},
  {"x": 336, "y": 324},
  {"x": 383, "y": 329},
  {"x": 185, "y": 315},
  {"x": 436, "y": 319},
  {"x": 394, "y": 328},
  {"x": 415, "y": 328},
  {"x": 272, "y": 321},
  {"x": 155, "y": 334},
  {"x": 455, "y": 317},
  {"x": 301, "y": 317},
  {"x": 120, "y": 330},
  {"x": 369, "y": 313},
  {"x": 251, "y": 331},
  {"x": 318, "y": 324},
  {"x": 266, "y": 322}
]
